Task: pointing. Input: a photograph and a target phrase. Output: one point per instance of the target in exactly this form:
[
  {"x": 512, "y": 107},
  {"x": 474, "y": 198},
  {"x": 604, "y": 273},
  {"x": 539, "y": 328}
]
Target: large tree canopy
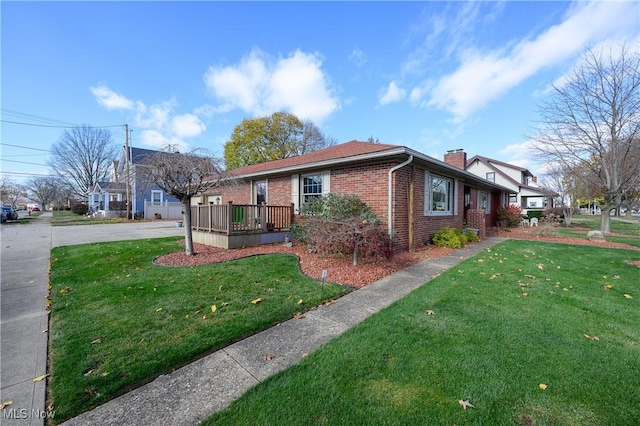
[
  {"x": 83, "y": 156},
  {"x": 280, "y": 135},
  {"x": 46, "y": 190},
  {"x": 183, "y": 175},
  {"x": 592, "y": 123}
]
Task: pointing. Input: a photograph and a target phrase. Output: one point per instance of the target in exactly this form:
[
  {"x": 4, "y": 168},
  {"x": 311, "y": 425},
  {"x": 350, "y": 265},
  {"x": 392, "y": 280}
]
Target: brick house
[{"x": 411, "y": 193}]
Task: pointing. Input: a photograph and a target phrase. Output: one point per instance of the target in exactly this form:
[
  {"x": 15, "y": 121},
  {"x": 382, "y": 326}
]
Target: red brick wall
[
  {"x": 369, "y": 183},
  {"x": 425, "y": 226},
  {"x": 457, "y": 158},
  {"x": 279, "y": 191},
  {"x": 476, "y": 219}
]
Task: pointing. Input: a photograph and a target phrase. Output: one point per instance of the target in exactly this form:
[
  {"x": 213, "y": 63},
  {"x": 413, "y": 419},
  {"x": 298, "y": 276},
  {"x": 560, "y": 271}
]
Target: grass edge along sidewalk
[
  {"x": 526, "y": 332},
  {"x": 118, "y": 321}
]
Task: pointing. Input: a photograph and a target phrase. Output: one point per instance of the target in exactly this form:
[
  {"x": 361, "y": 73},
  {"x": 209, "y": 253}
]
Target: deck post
[{"x": 229, "y": 217}]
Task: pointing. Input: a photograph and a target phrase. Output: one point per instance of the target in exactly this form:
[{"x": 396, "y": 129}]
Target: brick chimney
[{"x": 456, "y": 158}]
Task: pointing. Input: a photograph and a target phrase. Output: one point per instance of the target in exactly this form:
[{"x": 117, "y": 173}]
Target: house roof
[
  {"x": 344, "y": 150},
  {"x": 357, "y": 152},
  {"x": 109, "y": 187}
]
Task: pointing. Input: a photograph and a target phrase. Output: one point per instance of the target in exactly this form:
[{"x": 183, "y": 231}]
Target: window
[
  {"x": 311, "y": 188},
  {"x": 156, "y": 197},
  {"x": 513, "y": 199},
  {"x": 438, "y": 195},
  {"x": 260, "y": 192},
  {"x": 483, "y": 201},
  {"x": 491, "y": 176}
]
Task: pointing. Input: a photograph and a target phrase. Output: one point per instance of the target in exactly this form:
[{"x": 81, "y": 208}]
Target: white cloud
[
  {"x": 358, "y": 57},
  {"x": 187, "y": 125},
  {"x": 110, "y": 99},
  {"x": 482, "y": 77},
  {"x": 393, "y": 93},
  {"x": 159, "y": 140},
  {"x": 259, "y": 85},
  {"x": 157, "y": 125},
  {"x": 155, "y": 116}
]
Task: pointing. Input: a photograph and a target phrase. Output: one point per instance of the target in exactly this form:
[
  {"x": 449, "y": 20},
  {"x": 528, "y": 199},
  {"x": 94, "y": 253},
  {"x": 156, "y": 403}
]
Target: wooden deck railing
[{"x": 240, "y": 218}]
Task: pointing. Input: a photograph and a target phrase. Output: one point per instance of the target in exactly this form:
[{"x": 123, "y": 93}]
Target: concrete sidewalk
[
  {"x": 194, "y": 392},
  {"x": 24, "y": 276}
]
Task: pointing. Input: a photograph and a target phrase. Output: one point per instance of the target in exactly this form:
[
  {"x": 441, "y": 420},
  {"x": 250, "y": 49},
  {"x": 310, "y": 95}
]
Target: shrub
[
  {"x": 538, "y": 214},
  {"x": 470, "y": 236},
  {"x": 509, "y": 216},
  {"x": 80, "y": 209},
  {"x": 342, "y": 225},
  {"x": 449, "y": 237}
]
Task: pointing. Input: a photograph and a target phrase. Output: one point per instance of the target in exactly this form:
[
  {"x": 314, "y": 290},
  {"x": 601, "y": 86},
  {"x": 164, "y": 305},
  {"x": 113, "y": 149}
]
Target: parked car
[
  {"x": 3, "y": 217},
  {"x": 35, "y": 209},
  {"x": 10, "y": 212}
]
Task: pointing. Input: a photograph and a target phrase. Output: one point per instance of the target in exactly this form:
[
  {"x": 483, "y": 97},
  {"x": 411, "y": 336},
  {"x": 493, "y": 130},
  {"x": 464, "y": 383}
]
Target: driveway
[{"x": 24, "y": 276}]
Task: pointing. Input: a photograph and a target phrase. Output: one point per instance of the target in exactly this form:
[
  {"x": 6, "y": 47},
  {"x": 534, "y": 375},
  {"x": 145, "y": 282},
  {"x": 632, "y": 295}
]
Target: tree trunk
[
  {"x": 186, "y": 219},
  {"x": 605, "y": 219}
]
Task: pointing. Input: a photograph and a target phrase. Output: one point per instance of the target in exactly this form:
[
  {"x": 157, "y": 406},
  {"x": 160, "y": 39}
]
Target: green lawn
[
  {"x": 118, "y": 321},
  {"x": 582, "y": 224},
  {"x": 493, "y": 331},
  {"x": 66, "y": 217}
]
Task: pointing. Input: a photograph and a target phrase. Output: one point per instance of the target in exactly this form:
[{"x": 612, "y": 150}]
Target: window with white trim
[
  {"x": 156, "y": 197},
  {"x": 491, "y": 176},
  {"x": 483, "y": 201},
  {"x": 311, "y": 188},
  {"x": 438, "y": 195}
]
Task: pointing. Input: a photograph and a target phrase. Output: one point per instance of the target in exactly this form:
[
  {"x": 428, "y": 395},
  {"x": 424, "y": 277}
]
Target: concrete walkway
[{"x": 24, "y": 276}]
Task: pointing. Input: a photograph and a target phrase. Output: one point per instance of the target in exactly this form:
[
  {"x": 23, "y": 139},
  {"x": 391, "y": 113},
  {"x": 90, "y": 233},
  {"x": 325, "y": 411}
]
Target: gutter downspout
[{"x": 390, "y": 211}]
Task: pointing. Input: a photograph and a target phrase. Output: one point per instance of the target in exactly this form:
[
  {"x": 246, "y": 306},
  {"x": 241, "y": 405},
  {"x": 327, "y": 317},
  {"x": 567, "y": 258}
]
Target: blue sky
[{"x": 432, "y": 76}]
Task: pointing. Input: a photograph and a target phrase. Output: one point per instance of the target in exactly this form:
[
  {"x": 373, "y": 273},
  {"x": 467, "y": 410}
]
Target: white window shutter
[
  {"x": 295, "y": 193},
  {"x": 326, "y": 182}
]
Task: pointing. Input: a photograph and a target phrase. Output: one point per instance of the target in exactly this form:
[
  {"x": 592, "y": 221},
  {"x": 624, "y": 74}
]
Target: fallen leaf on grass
[
  {"x": 594, "y": 338},
  {"x": 430, "y": 312},
  {"x": 465, "y": 404},
  {"x": 214, "y": 308},
  {"x": 607, "y": 287},
  {"x": 542, "y": 386},
  {"x": 299, "y": 302},
  {"x": 256, "y": 301},
  {"x": 40, "y": 378},
  {"x": 97, "y": 341},
  {"x": 5, "y": 404},
  {"x": 628, "y": 296}
]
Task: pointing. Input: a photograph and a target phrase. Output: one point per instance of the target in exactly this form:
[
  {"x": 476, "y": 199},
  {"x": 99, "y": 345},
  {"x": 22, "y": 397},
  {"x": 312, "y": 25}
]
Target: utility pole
[{"x": 126, "y": 168}]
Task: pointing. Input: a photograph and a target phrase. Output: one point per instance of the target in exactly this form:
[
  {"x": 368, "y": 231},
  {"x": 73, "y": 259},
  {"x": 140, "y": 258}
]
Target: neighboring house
[
  {"x": 413, "y": 194},
  {"x": 524, "y": 186},
  {"x": 147, "y": 200}
]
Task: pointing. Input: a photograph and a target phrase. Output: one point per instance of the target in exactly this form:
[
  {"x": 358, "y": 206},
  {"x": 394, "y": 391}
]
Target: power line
[
  {"x": 26, "y": 174},
  {"x": 25, "y": 147},
  {"x": 57, "y": 126},
  {"x": 24, "y": 162}
]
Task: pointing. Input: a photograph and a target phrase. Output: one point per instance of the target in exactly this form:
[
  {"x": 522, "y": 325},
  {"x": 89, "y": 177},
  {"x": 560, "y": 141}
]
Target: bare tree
[
  {"x": 183, "y": 176},
  {"x": 11, "y": 191},
  {"x": 45, "y": 190},
  {"x": 558, "y": 181},
  {"x": 83, "y": 156},
  {"x": 593, "y": 121}
]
